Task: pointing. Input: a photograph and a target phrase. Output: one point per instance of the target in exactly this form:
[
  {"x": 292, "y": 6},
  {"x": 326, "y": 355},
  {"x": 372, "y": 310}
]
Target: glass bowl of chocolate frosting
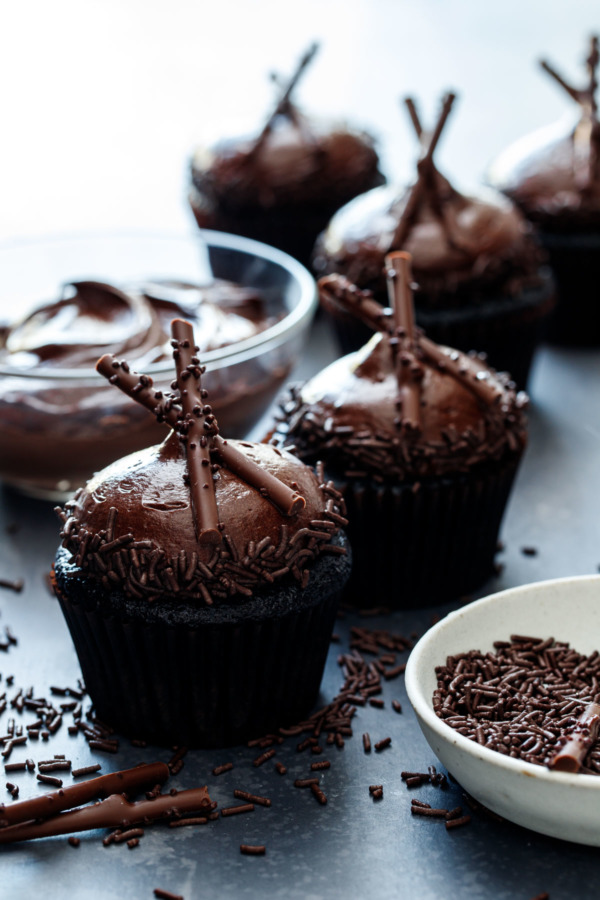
[{"x": 66, "y": 301}]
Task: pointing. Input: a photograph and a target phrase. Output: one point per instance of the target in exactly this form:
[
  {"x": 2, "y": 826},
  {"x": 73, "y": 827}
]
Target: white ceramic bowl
[{"x": 558, "y": 804}]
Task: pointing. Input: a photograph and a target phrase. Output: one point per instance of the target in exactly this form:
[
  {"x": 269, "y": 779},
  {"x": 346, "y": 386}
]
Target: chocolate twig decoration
[
  {"x": 283, "y": 104},
  {"x": 289, "y": 502},
  {"x": 116, "y": 811},
  {"x": 48, "y": 805},
  {"x": 408, "y": 371},
  {"x": 361, "y": 304},
  {"x": 187, "y": 413},
  {"x": 572, "y": 754},
  {"x": 587, "y": 133},
  {"x": 197, "y": 425},
  {"x": 424, "y": 170}
]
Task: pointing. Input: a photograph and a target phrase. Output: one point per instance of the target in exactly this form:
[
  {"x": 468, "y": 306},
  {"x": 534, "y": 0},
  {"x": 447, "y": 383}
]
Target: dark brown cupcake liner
[
  {"x": 205, "y": 680},
  {"x": 507, "y": 329},
  {"x": 575, "y": 261},
  {"x": 428, "y": 543}
]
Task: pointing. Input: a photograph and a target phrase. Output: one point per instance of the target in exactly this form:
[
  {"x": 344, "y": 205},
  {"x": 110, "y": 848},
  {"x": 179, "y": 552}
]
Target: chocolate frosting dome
[
  {"x": 489, "y": 243},
  {"x": 462, "y": 246},
  {"x": 132, "y": 526},
  {"x": 300, "y": 161},
  {"x": 347, "y": 416},
  {"x": 554, "y": 173},
  {"x": 401, "y": 408}
]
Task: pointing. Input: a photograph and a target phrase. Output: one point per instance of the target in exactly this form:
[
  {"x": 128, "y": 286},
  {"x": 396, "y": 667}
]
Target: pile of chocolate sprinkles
[{"x": 524, "y": 699}]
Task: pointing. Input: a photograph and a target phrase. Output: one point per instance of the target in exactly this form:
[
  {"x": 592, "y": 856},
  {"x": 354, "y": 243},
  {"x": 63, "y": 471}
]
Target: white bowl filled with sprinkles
[{"x": 507, "y": 694}]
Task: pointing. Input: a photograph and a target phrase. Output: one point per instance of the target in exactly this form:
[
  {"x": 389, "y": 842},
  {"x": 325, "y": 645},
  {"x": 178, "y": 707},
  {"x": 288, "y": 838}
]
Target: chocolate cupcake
[
  {"x": 424, "y": 443},
  {"x": 554, "y": 177},
  {"x": 283, "y": 186},
  {"x": 480, "y": 283},
  {"x": 200, "y": 578}
]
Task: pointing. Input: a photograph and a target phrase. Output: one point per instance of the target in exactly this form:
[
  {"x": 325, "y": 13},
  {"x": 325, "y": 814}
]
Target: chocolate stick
[
  {"x": 138, "y": 387},
  {"x": 361, "y": 304},
  {"x": 197, "y": 441},
  {"x": 571, "y": 91},
  {"x": 128, "y": 780},
  {"x": 288, "y": 501},
  {"x": 453, "y": 363},
  {"x": 284, "y": 100},
  {"x": 424, "y": 168},
  {"x": 115, "y": 811},
  {"x": 400, "y": 294},
  {"x": 572, "y": 754}
]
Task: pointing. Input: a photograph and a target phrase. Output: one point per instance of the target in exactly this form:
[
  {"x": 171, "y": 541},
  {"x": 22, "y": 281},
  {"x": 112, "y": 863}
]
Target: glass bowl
[{"x": 58, "y": 426}]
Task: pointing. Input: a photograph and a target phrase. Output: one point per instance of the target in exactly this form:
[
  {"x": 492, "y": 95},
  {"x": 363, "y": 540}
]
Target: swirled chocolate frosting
[
  {"x": 464, "y": 248},
  {"x": 554, "y": 173},
  {"x": 91, "y": 318}
]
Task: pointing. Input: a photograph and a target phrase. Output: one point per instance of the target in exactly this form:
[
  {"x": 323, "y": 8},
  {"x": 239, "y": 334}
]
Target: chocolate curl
[
  {"x": 284, "y": 100},
  {"x": 338, "y": 289},
  {"x": 454, "y": 363},
  {"x": 114, "y": 812},
  {"x": 198, "y": 428},
  {"x": 408, "y": 371},
  {"x": 572, "y": 754},
  {"x": 47, "y": 805},
  {"x": 138, "y": 387},
  {"x": 424, "y": 168},
  {"x": 287, "y": 501}
]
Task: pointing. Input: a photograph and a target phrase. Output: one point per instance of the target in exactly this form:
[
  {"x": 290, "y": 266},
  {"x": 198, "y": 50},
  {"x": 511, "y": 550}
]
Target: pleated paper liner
[
  {"x": 507, "y": 329},
  {"x": 203, "y": 676},
  {"x": 421, "y": 545},
  {"x": 575, "y": 260}
]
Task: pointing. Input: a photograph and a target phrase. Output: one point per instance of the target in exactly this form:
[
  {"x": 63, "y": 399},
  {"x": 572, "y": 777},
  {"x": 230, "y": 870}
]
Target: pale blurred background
[{"x": 102, "y": 101}]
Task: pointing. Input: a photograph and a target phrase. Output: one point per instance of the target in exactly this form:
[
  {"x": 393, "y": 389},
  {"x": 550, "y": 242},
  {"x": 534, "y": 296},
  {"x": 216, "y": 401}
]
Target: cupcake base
[
  {"x": 202, "y": 676},
  {"x": 575, "y": 260},
  {"x": 507, "y": 329},
  {"x": 426, "y": 543}
]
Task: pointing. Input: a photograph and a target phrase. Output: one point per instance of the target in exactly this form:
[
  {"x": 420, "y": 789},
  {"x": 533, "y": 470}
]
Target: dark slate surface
[{"x": 353, "y": 846}]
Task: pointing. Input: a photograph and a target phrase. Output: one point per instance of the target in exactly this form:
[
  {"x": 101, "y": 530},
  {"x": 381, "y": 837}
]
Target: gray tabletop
[{"x": 353, "y": 846}]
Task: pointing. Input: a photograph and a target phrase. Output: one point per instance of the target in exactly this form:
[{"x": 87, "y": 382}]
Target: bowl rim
[
  {"x": 423, "y": 706},
  {"x": 233, "y": 354}
]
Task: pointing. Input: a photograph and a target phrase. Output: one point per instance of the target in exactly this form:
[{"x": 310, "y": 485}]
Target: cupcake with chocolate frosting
[
  {"x": 200, "y": 578},
  {"x": 282, "y": 186},
  {"x": 477, "y": 265},
  {"x": 422, "y": 440},
  {"x": 553, "y": 175}
]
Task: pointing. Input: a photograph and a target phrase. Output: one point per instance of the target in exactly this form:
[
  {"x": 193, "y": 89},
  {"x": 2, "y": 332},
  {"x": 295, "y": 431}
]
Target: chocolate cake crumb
[
  {"x": 161, "y": 894},
  {"x": 73, "y": 841},
  {"x": 529, "y": 551},
  {"x": 253, "y": 849}
]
